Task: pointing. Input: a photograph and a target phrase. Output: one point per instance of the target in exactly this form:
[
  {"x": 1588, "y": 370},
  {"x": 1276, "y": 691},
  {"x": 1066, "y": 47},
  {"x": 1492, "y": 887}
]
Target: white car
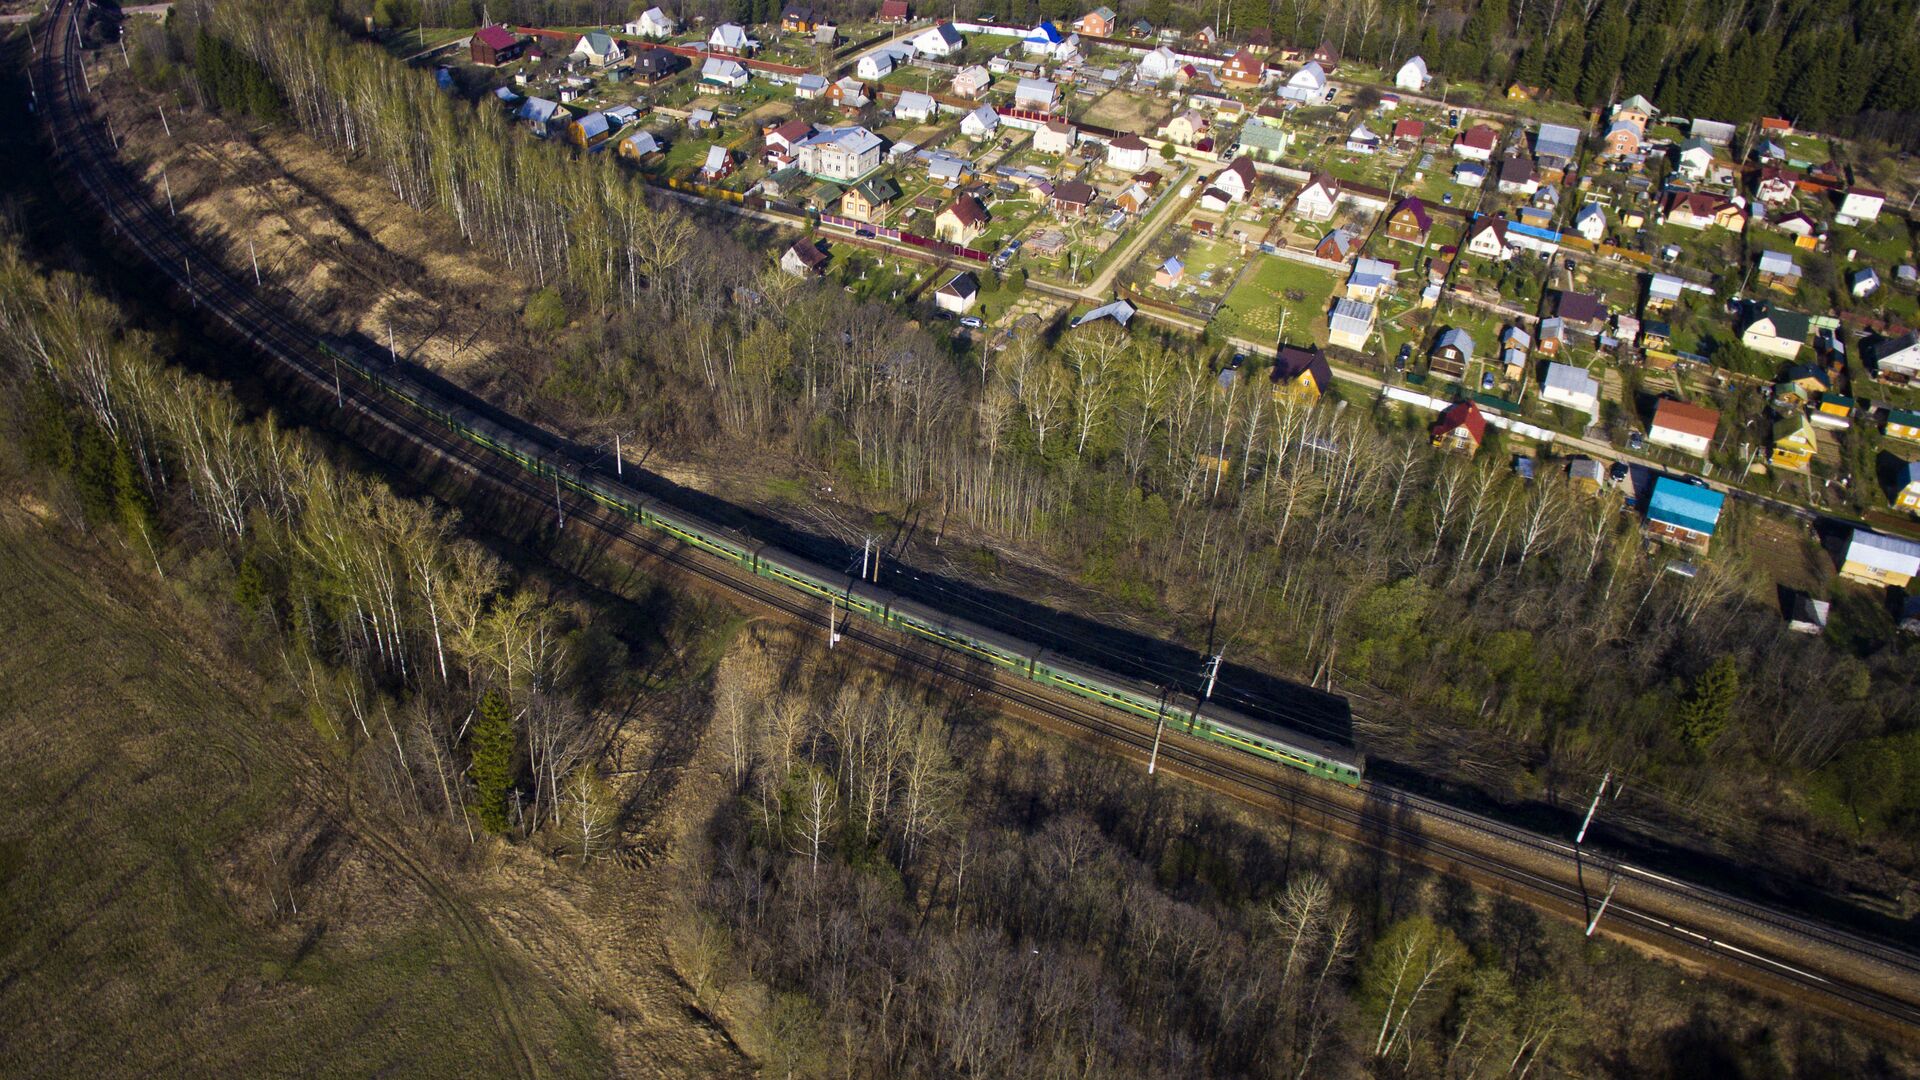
[{"x": 972, "y": 322}]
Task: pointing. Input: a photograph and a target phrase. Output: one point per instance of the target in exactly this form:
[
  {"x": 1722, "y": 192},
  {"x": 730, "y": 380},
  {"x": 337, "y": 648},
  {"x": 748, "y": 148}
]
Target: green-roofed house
[
  {"x": 868, "y": 201},
  {"x": 1264, "y": 141},
  {"x": 1776, "y": 331},
  {"x": 1902, "y": 424}
]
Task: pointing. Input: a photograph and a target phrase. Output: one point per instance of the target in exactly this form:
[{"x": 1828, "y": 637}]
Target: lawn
[
  {"x": 166, "y": 813},
  {"x": 1275, "y": 285}
]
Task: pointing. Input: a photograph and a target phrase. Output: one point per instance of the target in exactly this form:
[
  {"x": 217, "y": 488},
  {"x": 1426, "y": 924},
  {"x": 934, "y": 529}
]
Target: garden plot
[
  {"x": 1125, "y": 110},
  {"x": 1272, "y": 286}
]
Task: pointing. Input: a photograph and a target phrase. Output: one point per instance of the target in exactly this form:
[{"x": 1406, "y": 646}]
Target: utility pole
[
  {"x": 1595, "y": 924},
  {"x": 1159, "y": 725},
  {"x": 391, "y": 355},
  {"x": 866, "y": 543},
  {"x": 164, "y": 126},
  {"x": 1581, "y": 836},
  {"x": 1213, "y": 675},
  {"x": 619, "y": 469},
  {"x": 339, "y": 398},
  {"x": 255, "y": 256},
  {"x": 557, "y": 509},
  {"x": 164, "y": 179},
  {"x": 833, "y": 630}
]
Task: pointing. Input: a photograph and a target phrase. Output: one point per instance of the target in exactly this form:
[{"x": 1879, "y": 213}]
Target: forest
[{"x": 1525, "y": 627}]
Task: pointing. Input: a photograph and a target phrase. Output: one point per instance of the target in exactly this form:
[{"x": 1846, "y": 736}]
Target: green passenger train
[{"x": 1205, "y": 720}]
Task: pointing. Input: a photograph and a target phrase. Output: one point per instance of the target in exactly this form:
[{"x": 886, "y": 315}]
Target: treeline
[
  {"x": 400, "y": 636},
  {"x": 231, "y": 81},
  {"x": 1525, "y": 623}
]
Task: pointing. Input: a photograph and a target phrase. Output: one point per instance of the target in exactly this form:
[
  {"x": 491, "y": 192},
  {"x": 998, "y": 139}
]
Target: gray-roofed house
[
  {"x": 1264, "y": 141},
  {"x": 728, "y": 74},
  {"x": 843, "y": 154},
  {"x": 981, "y": 123},
  {"x": 1452, "y": 352},
  {"x": 1119, "y": 311},
  {"x": 1036, "y": 94},
  {"x": 1572, "y": 387},
  {"x": 598, "y": 48},
  {"x": 1350, "y": 324},
  {"x": 1875, "y": 559},
  {"x": 914, "y": 105}
]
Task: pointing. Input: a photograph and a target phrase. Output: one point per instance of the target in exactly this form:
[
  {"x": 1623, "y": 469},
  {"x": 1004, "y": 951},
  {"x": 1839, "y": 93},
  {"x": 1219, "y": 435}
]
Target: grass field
[
  {"x": 1252, "y": 309},
  {"x": 157, "y": 840}
]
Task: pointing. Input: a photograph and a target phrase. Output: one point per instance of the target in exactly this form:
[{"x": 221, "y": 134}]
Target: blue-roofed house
[
  {"x": 1170, "y": 273},
  {"x": 1684, "y": 514},
  {"x": 1042, "y": 40},
  {"x": 1555, "y": 146},
  {"x": 1369, "y": 279},
  {"x": 591, "y": 131},
  {"x": 543, "y": 116}
]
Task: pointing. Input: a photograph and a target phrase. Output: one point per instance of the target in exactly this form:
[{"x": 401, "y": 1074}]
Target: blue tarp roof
[
  {"x": 1534, "y": 231},
  {"x": 1689, "y": 506}
]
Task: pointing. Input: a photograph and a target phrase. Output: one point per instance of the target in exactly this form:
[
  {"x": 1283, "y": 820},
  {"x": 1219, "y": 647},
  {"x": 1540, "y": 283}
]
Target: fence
[{"x": 901, "y": 236}]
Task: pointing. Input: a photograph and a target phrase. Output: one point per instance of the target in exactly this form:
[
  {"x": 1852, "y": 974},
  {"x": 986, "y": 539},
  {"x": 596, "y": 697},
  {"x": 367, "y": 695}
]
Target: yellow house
[
  {"x": 1875, "y": 559},
  {"x": 866, "y": 202},
  {"x": 1794, "y": 443},
  {"x": 1902, "y": 424},
  {"x": 1838, "y": 408},
  {"x": 961, "y": 222},
  {"x": 1908, "y": 497},
  {"x": 1301, "y": 374}
]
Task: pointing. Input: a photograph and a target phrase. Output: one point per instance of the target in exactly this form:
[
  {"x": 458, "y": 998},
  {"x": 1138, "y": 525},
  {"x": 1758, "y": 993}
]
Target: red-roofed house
[
  {"x": 1476, "y": 143},
  {"x": 1684, "y": 427},
  {"x": 1408, "y": 131},
  {"x": 1243, "y": 69},
  {"x": 961, "y": 222},
  {"x": 894, "y": 11},
  {"x": 1462, "y": 427},
  {"x": 495, "y": 45},
  {"x": 1700, "y": 209}
]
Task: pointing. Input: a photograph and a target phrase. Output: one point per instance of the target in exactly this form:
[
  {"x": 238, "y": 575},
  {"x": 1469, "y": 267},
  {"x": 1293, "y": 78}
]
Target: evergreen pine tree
[
  {"x": 492, "y": 742},
  {"x": 1706, "y": 711}
]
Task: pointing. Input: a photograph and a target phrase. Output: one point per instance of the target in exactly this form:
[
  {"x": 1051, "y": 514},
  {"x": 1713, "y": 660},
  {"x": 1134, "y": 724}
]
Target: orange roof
[{"x": 1686, "y": 419}]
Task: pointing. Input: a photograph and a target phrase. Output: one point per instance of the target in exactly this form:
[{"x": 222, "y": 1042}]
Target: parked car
[
  {"x": 1636, "y": 441},
  {"x": 865, "y": 234},
  {"x": 971, "y": 322},
  {"x": 1406, "y": 353},
  {"x": 1486, "y": 380}
]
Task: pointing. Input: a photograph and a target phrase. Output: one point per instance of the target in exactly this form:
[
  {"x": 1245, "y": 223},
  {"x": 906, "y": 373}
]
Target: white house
[
  {"x": 1362, "y": 141},
  {"x": 653, "y": 23},
  {"x": 914, "y": 105},
  {"x": 724, "y": 73},
  {"x": 972, "y": 82},
  {"x": 939, "y": 41},
  {"x": 1236, "y": 180},
  {"x": 810, "y": 87},
  {"x": 1307, "y": 84},
  {"x": 958, "y": 295},
  {"x": 599, "y": 49},
  {"x": 1157, "y": 66},
  {"x": 1054, "y": 137},
  {"x": 875, "y": 65},
  {"x": 1573, "y": 387},
  {"x": 1896, "y": 359},
  {"x": 1863, "y": 282},
  {"x": 843, "y": 154},
  {"x": 1128, "y": 153},
  {"x": 1860, "y": 204},
  {"x": 1316, "y": 201},
  {"x": 1036, "y": 94},
  {"x": 1696, "y": 159},
  {"x": 1591, "y": 222},
  {"x": 1042, "y": 40},
  {"x": 1684, "y": 427},
  {"x": 981, "y": 123},
  {"x": 1487, "y": 238},
  {"x": 1412, "y": 75},
  {"x": 732, "y": 39}
]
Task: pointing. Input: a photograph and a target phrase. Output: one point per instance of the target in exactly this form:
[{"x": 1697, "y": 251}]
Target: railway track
[{"x": 1867, "y": 981}]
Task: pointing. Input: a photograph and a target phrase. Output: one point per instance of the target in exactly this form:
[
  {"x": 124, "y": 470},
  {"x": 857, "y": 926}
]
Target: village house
[
  {"x": 980, "y": 124},
  {"x": 868, "y": 201},
  {"x": 732, "y": 40},
  {"x": 895, "y": 11},
  {"x": 1100, "y": 22},
  {"x": 1038, "y": 95},
  {"x": 913, "y": 105},
  {"x": 1170, "y": 273},
  {"x": 1591, "y": 222},
  {"x": 1157, "y": 66},
  {"x": 599, "y": 49},
  {"x": 1371, "y": 278},
  {"x": 495, "y": 45},
  {"x": 1412, "y": 75},
  {"x": 590, "y": 132},
  {"x": 1264, "y": 141},
  {"x": 1683, "y": 514},
  {"x": 1042, "y": 40},
  {"x": 1894, "y": 359},
  {"x": 1682, "y": 426},
  {"x": 1308, "y": 85},
  {"x": 1906, "y": 487},
  {"x": 1874, "y": 559},
  {"x": 1621, "y": 140},
  {"x": 1316, "y": 201},
  {"x": 1471, "y": 174},
  {"x": 876, "y": 65},
  {"x": 959, "y": 294},
  {"x": 1476, "y": 143},
  {"x": 1582, "y": 311},
  {"x": 1663, "y": 291},
  {"x": 1794, "y": 443},
  {"x": 1054, "y": 137},
  {"x": 719, "y": 164},
  {"x": 1903, "y": 424},
  {"x": 1350, "y": 324},
  {"x": 1487, "y": 238},
  {"x": 726, "y": 74},
  {"x": 653, "y": 24},
  {"x": 961, "y": 222},
  {"x": 972, "y": 82},
  {"x": 1572, "y": 388},
  {"x": 810, "y": 87},
  {"x": 1776, "y": 186},
  {"x": 1186, "y": 129},
  {"x": 650, "y": 65},
  {"x": 1071, "y": 198},
  {"x": 1863, "y": 282},
  {"x": 1461, "y": 428},
  {"x": 1858, "y": 205},
  {"x": 1702, "y": 209},
  {"x": 780, "y": 141},
  {"x": 849, "y": 95},
  {"x": 1128, "y": 153},
  {"x": 1410, "y": 221},
  {"x": 798, "y": 19},
  {"x": 1775, "y": 331},
  {"x": 1133, "y": 198},
  {"x": 842, "y": 154},
  {"x": 638, "y": 145},
  {"x": 803, "y": 259},
  {"x": 939, "y": 41},
  {"x": 1452, "y": 352},
  {"x": 1300, "y": 374},
  {"x": 544, "y": 118},
  {"x": 1553, "y": 336},
  {"x": 1243, "y": 69},
  {"x": 1236, "y": 180},
  {"x": 1555, "y": 147},
  {"x": 1407, "y": 133},
  {"x": 1336, "y": 246},
  {"x": 1361, "y": 140},
  {"x": 1517, "y": 175},
  {"x": 1778, "y": 271},
  {"x": 1694, "y": 159}
]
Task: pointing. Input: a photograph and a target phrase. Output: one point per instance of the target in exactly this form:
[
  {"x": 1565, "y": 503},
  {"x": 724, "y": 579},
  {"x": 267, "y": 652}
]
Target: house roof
[
  {"x": 1579, "y": 307},
  {"x": 1293, "y": 362},
  {"x": 853, "y": 140},
  {"x": 1591, "y": 210},
  {"x": 1456, "y": 338},
  {"x": 1243, "y": 168},
  {"x": 1489, "y": 223},
  {"x": 1351, "y": 316},
  {"x": 1341, "y": 239},
  {"x": 643, "y": 142},
  {"x": 1889, "y": 553},
  {"x": 717, "y": 67},
  {"x": 1693, "y": 507},
  {"x": 1462, "y": 415},
  {"x": 806, "y": 251},
  {"x": 495, "y": 37},
  {"x": 1515, "y": 334},
  {"x": 1664, "y": 287},
  {"x": 1636, "y": 103},
  {"x": 1788, "y": 324},
  {"x": 967, "y": 210},
  {"x": 1778, "y": 262},
  {"x": 1571, "y": 380},
  {"x": 1119, "y": 311},
  {"x": 717, "y": 158},
  {"x": 1310, "y": 77},
  {"x": 1034, "y": 88},
  {"x": 945, "y": 32},
  {"x": 1074, "y": 192},
  {"x": 1880, "y": 348},
  {"x": 1418, "y": 209},
  {"x": 1408, "y": 129},
  {"x": 1174, "y": 267},
  {"x": 1516, "y": 169},
  {"x": 1686, "y": 418},
  {"x": 594, "y": 123},
  {"x": 914, "y": 101},
  {"x": 985, "y": 117},
  {"x": 1128, "y": 141},
  {"x": 1557, "y": 140},
  {"x": 893, "y": 9},
  {"x": 1479, "y": 136},
  {"x": 599, "y": 41},
  {"x": 791, "y": 132},
  {"x": 962, "y": 285},
  {"x": 1904, "y": 418}
]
